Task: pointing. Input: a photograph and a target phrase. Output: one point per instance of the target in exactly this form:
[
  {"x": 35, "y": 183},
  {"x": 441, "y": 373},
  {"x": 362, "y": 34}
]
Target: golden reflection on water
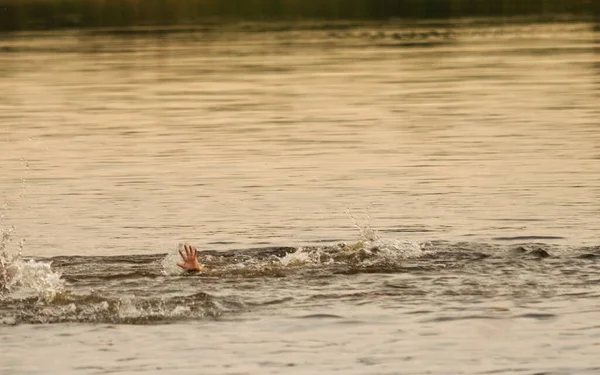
[{"x": 232, "y": 140}]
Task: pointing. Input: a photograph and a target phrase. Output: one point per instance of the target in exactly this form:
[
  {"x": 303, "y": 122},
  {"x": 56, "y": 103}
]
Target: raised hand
[{"x": 190, "y": 259}]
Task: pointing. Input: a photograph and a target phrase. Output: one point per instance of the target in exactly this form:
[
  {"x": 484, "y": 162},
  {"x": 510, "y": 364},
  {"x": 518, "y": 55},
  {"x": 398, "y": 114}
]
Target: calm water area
[{"x": 368, "y": 198}]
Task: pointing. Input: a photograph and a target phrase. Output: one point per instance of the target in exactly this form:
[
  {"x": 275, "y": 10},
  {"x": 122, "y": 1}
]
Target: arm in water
[{"x": 190, "y": 259}]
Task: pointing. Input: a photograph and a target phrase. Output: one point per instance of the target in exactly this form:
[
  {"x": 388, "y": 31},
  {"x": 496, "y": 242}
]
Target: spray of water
[
  {"x": 369, "y": 250},
  {"x": 9, "y": 257},
  {"x": 377, "y": 249},
  {"x": 16, "y": 273},
  {"x": 366, "y": 233},
  {"x": 169, "y": 263}
]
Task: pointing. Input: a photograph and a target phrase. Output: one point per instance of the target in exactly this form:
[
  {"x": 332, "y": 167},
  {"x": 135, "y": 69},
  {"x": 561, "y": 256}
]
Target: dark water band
[{"x": 55, "y": 14}]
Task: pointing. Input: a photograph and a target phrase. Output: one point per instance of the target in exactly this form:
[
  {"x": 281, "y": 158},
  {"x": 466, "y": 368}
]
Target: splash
[
  {"x": 363, "y": 253},
  {"x": 169, "y": 263},
  {"x": 302, "y": 257},
  {"x": 16, "y": 274},
  {"x": 369, "y": 251},
  {"x": 372, "y": 249},
  {"x": 40, "y": 278},
  {"x": 9, "y": 255},
  {"x": 366, "y": 233}
]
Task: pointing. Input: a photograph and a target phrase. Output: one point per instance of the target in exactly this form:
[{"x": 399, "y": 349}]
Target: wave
[
  {"x": 93, "y": 307},
  {"x": 151, "y": 289}
]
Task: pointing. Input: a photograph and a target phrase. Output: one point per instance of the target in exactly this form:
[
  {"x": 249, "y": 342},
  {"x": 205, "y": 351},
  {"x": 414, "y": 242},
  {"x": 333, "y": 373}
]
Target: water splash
[
  {"x": 26, "y": 276},
  {"x": 365, "y": 231},
  {"x": 40, "y": 278},
  {"x": 9, "y": 256},
  {"x": 302, "y": 257},
  {"x": 369, "y": 250},
  {"x": 169, "y": 263},
  {"x": 372, "y": 249},
  {"x": 15, "y": 272}
]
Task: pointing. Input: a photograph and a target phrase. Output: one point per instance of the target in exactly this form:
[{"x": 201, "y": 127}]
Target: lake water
[{"x": 396, "y": 198}]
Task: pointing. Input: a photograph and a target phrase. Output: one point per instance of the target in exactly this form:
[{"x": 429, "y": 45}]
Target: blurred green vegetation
[{"x": 50, "y": 14}]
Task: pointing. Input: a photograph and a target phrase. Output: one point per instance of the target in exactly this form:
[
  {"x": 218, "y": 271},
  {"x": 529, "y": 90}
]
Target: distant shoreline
[{"x": 60, "y": 14}]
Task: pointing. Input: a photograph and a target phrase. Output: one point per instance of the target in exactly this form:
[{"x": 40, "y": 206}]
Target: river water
[{"x": 396, "y": 198}]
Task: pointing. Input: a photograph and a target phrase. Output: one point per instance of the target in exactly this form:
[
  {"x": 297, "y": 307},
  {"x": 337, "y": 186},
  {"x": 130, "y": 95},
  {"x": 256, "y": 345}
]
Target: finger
[
  {"x": 195, "y": 252},
  {"x": 181, "y": 253},
  {"x": 188, "y": 250},
  {"x": 181, "y": 265}
]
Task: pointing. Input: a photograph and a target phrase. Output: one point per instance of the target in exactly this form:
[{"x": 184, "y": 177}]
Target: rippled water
[{"x": 367, "y": 198}]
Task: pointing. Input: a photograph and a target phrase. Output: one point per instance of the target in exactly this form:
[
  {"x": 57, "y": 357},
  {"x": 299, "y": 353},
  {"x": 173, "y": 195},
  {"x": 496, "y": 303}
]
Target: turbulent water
[{"x": 366, "y": 198}]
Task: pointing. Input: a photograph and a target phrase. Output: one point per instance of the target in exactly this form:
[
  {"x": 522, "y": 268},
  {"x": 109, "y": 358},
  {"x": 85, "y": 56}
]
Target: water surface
[{"x": 373, "y": 198}]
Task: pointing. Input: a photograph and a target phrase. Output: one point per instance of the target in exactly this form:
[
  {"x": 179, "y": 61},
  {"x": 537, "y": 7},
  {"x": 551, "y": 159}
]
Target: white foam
[
  {"x": 17, "y": 274},
  {"x": 41, "y": 278},
  {"x": 298, "y": 258}
]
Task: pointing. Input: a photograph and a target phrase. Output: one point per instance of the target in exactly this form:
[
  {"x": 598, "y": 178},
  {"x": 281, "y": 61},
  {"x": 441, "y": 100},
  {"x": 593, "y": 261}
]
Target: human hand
[{"x": 190, "y": 259}]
